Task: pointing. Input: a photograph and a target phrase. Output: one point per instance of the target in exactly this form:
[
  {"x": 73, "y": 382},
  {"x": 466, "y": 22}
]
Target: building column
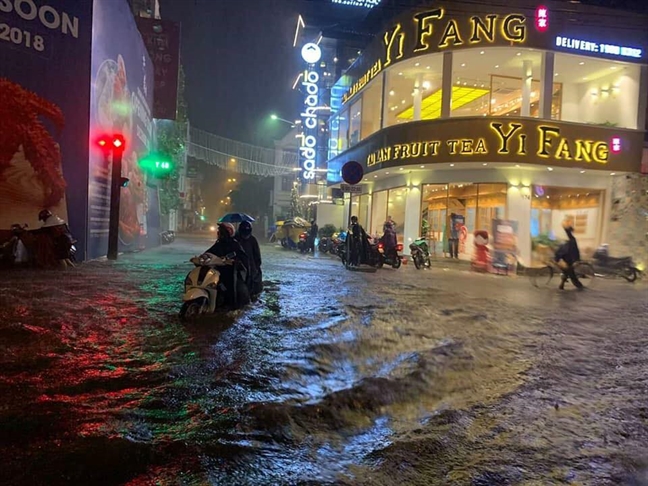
[
  {"x": 417, "y": 96},
  {"x": 546, "y": 85},
  {"x": 518, "y": 204},
  {"x": 527, "y": 78},
  {"x": 412, "y": 224},
  {"x": 643, "y": 97},
  {"x": 446, "y": 86}
]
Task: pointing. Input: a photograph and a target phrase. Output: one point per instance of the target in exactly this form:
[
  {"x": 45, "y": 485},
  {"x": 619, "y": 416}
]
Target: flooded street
[{"x": 435, "y": 377}]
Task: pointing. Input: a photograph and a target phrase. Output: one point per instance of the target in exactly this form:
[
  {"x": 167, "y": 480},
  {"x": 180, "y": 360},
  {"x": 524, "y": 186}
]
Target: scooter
[
  {"x": 390, "y": 257},
  {"x": 303, "y": 245},
  {"x": 203, "y": 290},
  {"x": 325, "y": 244},
  {"x": 607, "y": 266},
  {"x": 420, "y": 253},
  {"x": 167, "y": 237}
]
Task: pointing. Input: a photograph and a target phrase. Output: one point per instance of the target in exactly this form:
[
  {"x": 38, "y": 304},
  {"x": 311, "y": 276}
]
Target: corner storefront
[{"x": 502, "y": 121}]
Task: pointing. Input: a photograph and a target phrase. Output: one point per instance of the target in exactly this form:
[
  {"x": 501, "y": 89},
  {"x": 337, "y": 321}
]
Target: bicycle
[{"x": 541, "y": 277}]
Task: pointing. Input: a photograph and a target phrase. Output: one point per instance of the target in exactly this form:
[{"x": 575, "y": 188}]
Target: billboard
[
  {"x": 121, "y": 101},
  {"x": 44, "y": 100},
  {"x": 162, "y": 39}
]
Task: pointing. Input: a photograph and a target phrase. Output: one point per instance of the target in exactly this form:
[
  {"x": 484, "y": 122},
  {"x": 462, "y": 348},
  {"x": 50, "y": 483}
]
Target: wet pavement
[{"x": 433, "y": 377}]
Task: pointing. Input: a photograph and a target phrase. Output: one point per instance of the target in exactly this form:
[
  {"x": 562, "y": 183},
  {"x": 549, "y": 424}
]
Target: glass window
[
  {"x": 490, "y": 82},
  {"x": 396, "y": 210},
  {"x": 550, "y": 206},
  {"x": 287, "y": 183},
  {"x": 378, "y": 212},
  {"x": 597, "y": 91},
  {"x": 491, "y": 204},
  {"x": 355, "y": 122},
  {"x": 371, "y": 103},
  {"x": 334, "y": 131},
  {"x": 343, "y": 131},
  {"x": 433, "y": 211},
  {"x": 363, "y": 210},
  {"x": 413, "y": 90}
]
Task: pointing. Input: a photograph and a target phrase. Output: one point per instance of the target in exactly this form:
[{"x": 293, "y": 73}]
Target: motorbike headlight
[{"x": 641, "y": 267}]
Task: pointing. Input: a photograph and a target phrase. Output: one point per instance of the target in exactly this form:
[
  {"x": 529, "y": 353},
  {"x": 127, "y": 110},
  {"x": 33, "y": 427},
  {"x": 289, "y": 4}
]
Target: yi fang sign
[{"x": 508, "y": 140}]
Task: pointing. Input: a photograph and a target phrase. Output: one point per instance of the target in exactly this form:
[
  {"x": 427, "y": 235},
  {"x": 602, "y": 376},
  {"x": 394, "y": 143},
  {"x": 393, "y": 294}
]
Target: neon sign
[
  {"x": 358, "y": 3},
  {"x": 588, "y": 46},
  {"x": 542, "y": 18},
  {"x": 308, "y": 145},
  {"x": 616, "y": 145}
]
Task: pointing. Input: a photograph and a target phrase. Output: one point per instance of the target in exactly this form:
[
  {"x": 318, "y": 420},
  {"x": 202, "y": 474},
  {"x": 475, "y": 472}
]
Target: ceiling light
[
  {"x": 422, "y": 167},
  {"x": 366, "y": 179},
  {"x": 387, "y": 173},
  {"x": 519, "y": 54},
  {"x": 485, "y": 164},
  {"x": 417, "y": 64},
  {"x": 463, "y": 64},
  {"x": 392, "y": 93},
  {"x": 496, "y": 66},
  {"x": 400, "y": 168},
  {"x": 582, "y": 171},
  {"x": 612, "y": 67},
  {"x": 585, "y": 78},
  {"x": 426, "y": 85},
  {"x": 375, "y": 177},
  {"x": 581, "y": 63},
  {"x": 403, "y": 102},
  {"x": 427, "y": 67},
  {"x": 612, "y": 173},
  {"x": 549, "y": 169},
  {"x": 451, "y": 165},
  {"x": 517, "y": 165},
  {"x": 556, "y": 74},
  {"x": 481, "y": 52},
  {"x": 400, "y": 74}
]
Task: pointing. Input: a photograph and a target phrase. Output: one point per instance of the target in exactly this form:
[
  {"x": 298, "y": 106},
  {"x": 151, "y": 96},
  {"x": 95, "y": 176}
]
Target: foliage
[
  {"x": 252, "y": 196},
  {"x": 171, "y": 140},
  {"x": 296, "y": 206},
  {"x": 327, "y": 231},
  {"x": 425, "y": 227}
]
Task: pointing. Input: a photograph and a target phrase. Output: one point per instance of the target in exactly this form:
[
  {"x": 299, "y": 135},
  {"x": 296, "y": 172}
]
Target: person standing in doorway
[
  {"x": 453, "y": 237},
  {"x": 312, "y": 235}
]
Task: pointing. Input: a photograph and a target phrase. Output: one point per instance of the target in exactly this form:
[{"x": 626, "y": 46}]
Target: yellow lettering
[
  {"x": 514, "y": 28},
  {"x": 522, "y": 146},
  {"x": 466, "y": 147},
  {"x": 451, "y": 32},
  {"x": 563, "y": 150},
  {"x": 480, "y": 147},
  {"x": 434, "y": 147},
  {"x": 389, "y": 39},
  {"x": 601, "y": 152},
  {"x": 452, "y": 146},
  {"x": 423, "y": 29},
  {"x": 479, "y": 25},
  {"x": 505, "y": 137},
  {"x": 405, "y": 149},
  {"x": 416, "y": 149},
  {"x": 396, "y": 151},
  {"x": 545, "y": 141},
  {"x": 583, "y": 150}
]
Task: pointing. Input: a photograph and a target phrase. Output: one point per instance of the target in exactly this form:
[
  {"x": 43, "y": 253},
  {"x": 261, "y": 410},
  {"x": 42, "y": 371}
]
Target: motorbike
[
  {"x": 167, "y": 237},
  {"x": 389, "y": 257},
  {"x": 420, "y": 253},
  {"x": 203, "y": 290},
  {"x": 14, "y": 250},
  {"x": 303, "y": 245},
  {"x": 607, "y": 266},
  {"x": 325, "y": 244}
]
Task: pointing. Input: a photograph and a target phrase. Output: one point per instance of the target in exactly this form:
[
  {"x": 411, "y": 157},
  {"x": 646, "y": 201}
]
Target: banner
[
  {"x": 44, "y": 102},
  {"x": 121, "y": 100},
  {"x": 162, "y": 39}
]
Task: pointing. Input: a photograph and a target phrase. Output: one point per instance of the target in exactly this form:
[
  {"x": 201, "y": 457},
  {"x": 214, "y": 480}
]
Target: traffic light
[
  {"x": 109, "y": 143},
  {"x": 157, "y": 164}
]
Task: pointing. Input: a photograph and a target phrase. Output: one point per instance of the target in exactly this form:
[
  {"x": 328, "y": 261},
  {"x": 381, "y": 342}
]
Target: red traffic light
[{"x": 111, "y": 142}]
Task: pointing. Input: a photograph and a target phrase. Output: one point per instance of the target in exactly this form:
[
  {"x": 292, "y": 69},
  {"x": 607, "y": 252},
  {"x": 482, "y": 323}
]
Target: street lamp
[{"x": 275, "y": 117}]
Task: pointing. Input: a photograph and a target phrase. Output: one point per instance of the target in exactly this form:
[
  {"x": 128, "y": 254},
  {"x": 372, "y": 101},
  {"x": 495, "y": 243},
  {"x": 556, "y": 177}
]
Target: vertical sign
[
  {"x": 162, "y": 39},
  {"x": 311, "y": 54}
]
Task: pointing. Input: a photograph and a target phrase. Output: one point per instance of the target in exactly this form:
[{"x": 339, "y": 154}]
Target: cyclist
[{"x": 566, "y": 256}]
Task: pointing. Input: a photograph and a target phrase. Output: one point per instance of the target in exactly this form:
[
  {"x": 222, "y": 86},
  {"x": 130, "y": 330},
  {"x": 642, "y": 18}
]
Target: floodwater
[{"x": 433, "y": 377}]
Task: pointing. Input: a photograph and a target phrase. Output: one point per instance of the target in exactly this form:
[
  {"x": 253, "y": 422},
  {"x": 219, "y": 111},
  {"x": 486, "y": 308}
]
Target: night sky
[{"x": 240, "y": 64}]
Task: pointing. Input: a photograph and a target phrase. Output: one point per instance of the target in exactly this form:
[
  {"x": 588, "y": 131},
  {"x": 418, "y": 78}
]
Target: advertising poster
[
  {"x": 162, "y": 39},
  {"x": 505, "y": 243},
  {"x": 121, "y": 101},
  {"x": 44, "y": 104}
]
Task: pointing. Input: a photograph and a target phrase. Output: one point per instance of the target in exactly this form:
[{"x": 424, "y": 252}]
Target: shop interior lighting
[{"x": 431, "y": 105}]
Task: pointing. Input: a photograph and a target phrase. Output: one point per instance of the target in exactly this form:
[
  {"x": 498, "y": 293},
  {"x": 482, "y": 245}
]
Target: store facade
[{"x": 516, "y": 118}]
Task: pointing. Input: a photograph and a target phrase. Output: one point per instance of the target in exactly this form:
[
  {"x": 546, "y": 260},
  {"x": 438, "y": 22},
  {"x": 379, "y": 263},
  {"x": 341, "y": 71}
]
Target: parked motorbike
[
  {"x": 203, "y": 290},
  {"x": 607, "y": 266},
  {"x": 325, "y": 244},
  {"x": 167, "y": 237},
  {"x": 389, "y": 257},
  {"x": 303, "y": 245},
  {"x": 420, "y": 252},
  {"x": 14, "y": 250}
]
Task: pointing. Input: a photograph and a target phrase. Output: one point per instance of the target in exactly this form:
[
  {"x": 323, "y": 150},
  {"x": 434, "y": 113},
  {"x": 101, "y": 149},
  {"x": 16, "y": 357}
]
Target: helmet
[
  {"x": 226, "y": 228},
  {"x": 354, "y": 219},
  {"x": 245, "y": 229},
  {"x": 44, "y": 215}
]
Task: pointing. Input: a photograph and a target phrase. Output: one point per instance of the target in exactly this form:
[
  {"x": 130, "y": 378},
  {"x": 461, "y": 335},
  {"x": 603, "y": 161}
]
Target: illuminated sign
[
  {"x": 510, "y": 139},
  {"x": 432, "y": 33},
  {"x": 616, "y": 145},
  {"x": 358, "y": 3},
  {"x": 308, "y": 136},
  {"x": 597, "y": 47},
  {"x": 542, "y": 18},
  {"x": 311, "y": 53}
]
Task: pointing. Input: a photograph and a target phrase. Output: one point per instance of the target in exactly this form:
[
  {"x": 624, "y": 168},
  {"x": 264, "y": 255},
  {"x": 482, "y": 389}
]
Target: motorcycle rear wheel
[
  {"x": 397, "y": 263},
  {"x": 418, "y": 261},
  {"x": 630, "y": 274}
]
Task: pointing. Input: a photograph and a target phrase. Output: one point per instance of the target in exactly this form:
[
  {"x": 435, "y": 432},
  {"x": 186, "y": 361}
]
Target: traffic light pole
[{"x": 115, "y": 197}]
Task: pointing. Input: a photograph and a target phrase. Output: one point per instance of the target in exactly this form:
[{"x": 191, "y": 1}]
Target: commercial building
[{"x": 472, "y": 117}]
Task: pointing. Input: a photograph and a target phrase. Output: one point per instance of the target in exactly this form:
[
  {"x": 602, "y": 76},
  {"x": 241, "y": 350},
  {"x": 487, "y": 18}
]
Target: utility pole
[{"x": 114, "y": 144}]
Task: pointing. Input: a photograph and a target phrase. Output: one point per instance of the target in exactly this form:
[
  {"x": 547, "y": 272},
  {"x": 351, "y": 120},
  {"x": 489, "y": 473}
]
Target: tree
[
  {"x": 171, "y": 140},
  {"x": 296, "y": 206}
]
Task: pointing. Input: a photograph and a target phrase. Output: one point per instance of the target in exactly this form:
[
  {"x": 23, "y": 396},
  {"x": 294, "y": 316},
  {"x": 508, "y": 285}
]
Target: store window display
[{"x": 371, "y": 104}]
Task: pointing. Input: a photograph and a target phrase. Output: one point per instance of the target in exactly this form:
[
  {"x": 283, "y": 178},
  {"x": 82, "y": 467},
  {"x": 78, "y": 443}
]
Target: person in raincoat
[
  {"x": 358, "y": 242},
  {"x": 566, "y": 256},
  {"x": 233, "y": 276},
  {"x": 251, "y": 248}
]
